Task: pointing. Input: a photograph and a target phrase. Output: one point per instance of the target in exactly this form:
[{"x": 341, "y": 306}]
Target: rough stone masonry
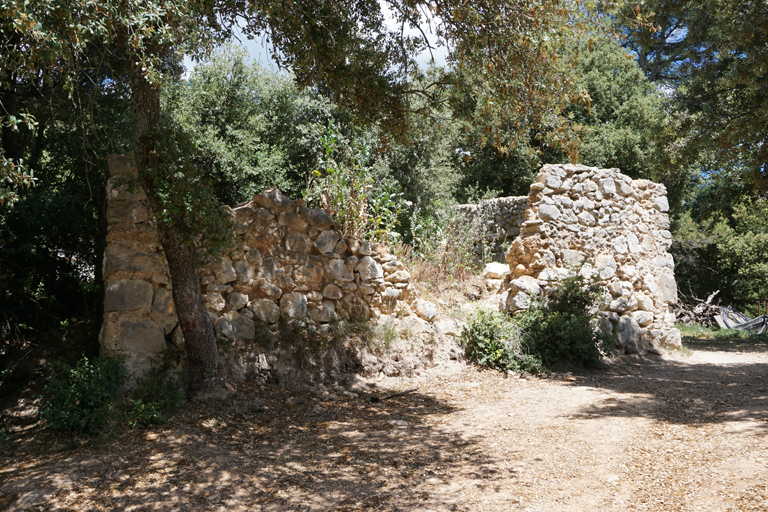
[
  {"x": 499, "y": 221},
  {"x": 291, "y": 264},
  {"x": 602, "y": 224}
]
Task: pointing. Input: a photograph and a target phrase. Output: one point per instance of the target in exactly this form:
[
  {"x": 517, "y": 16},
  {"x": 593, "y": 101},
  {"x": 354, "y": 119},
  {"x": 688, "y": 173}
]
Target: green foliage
[
  {"x": 726, "y": 253},
  {"x": 625, "y": 114},
  {"x": 708, "y": 54},
  {"x": 86, "y": 397},
  {"x": 695, "y": 332},
  {"x": 347, "y": 188},
  {"x": 742, "y": 246},
  {"x": 733, "y": 334},
  {"x": 726, "y": 95},
  {"x": 694, "y": 249},
  {"x": 13, "y": 174},
  {"x": 182, "y": 193},
  {"x": 82, "y": 397},
  {"x": 441, "y": 244},
  {"x": 258, "y": 128},
  {"x": 493, "y": 341},
  {"x": 559, "y": 327},
  {"x": 154, "y": 398}
]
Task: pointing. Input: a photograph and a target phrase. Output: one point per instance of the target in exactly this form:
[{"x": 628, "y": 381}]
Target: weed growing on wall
[
  {"x": 558, "y": 327},
  {"x": 493, "y": 341},
  {"x": 345, "y": 187}
]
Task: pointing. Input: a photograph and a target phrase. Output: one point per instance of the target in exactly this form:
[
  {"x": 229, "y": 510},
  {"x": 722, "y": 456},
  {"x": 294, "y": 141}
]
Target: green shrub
[
  {"x": 494, "y": 342},
  {"x": 156, "y": 397},
  {"x": 86, "y": 397},
  {"x": 558, "y": 327},
  {"x": 82, "y": 397}
]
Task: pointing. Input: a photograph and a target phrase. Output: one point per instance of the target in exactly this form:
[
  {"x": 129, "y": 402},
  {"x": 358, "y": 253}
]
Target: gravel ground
[{"x": 676, "y": 433}]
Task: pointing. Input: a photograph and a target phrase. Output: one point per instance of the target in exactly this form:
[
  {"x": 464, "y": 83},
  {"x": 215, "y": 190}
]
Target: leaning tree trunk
[{"x": 203, "y": 370}]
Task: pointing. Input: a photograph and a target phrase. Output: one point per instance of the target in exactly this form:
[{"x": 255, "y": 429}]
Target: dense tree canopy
[{"x": 506, "y": 51}]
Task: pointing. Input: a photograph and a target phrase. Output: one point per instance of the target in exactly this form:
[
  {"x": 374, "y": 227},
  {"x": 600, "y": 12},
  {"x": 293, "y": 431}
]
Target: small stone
[
  {"x": 628, "y": 334},
  {"x": 400, "y": 276},
  {"x": 325, "y": 311},
  {"x": 643, "y": 318},
  {"x": 237, "y": 300},
  {"x": 320, "y": 219},
  {"x": 607, "y": 186},
  {"x": 340, "y": 272},
  {"x": 293, "y": 305},
  {"x": 224, "y": 271},
  {"x": 332, "y": 291},
  {"x": 619, "y": 305},
  {"x": 128, "y": 295},
  {"x": 365, "y": 249},
  {"x": 517, "y": 301},
  {"x": 549, "y": 212},
  {"x": 266, "y": 311},
  {"x": 235, "y": 327},
  {"x": 425, "y": 309},
  {"x": 292, "y": 221},
  {"x": 368, "y": 268},
  {"x": 661, "y": 203},
  {"x": 605, "y": 266},
  {"x": 141, "y": 337},
  {"x": 215, "y": 302},
  {"x": 587, "y": 219},
  {"x": 667, "y": 287},
  {"x": 243, "y": 270},
  {"x": 326, "y": 241},
  {"x": 526, "y": 284},
  {"x": 297, "y": 242},
  {"x": 273, "y": 198}
]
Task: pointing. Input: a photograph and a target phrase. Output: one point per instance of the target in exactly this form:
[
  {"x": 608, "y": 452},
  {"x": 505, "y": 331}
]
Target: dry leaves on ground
[{"x": 673, "y": 434}]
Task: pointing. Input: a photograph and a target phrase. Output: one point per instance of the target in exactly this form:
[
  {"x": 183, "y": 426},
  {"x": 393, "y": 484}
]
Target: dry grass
[{"x": 447, "y": 275}]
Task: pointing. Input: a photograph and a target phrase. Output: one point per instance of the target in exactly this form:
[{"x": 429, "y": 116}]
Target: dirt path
[{"x": 681, "y": 433}]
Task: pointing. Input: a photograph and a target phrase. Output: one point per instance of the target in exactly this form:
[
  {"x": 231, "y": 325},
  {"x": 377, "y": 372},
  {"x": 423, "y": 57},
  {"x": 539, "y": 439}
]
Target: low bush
[
  {"x": 493, "y": 341},
  {"x": 559, "y": 327},
  {"x": 155, "y": 398},
  {"x": 83, "y": 397},
  {"x": 86, "y": 397}
]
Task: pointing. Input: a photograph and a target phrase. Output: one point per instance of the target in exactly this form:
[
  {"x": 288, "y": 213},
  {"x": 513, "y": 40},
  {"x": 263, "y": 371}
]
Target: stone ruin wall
[
  {"x": 499, "y": 222},
  {"x": 291, "y": 264},
  {"x": 601, "y": 223}
]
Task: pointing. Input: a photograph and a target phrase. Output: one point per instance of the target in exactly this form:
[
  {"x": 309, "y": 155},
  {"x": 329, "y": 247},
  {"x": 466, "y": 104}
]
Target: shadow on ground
[
  {"x": 727, "y": 383},
  {"x": 733, "y": 345},
  {"x": 284, "y": 452}
]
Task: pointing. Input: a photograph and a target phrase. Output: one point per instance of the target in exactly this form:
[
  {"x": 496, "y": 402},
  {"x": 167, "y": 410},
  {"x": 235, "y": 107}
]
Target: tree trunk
[{"x": 203, "y": 370}]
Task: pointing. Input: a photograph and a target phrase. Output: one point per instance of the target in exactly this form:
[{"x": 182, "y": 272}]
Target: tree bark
[{"x": 203, "y": 368}]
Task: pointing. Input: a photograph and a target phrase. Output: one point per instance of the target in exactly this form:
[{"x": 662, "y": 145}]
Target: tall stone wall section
[
  {"x": 602, "y": 224},
  {"x": 498, "y": 221},
  {"x": 290, "y": 265}
]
